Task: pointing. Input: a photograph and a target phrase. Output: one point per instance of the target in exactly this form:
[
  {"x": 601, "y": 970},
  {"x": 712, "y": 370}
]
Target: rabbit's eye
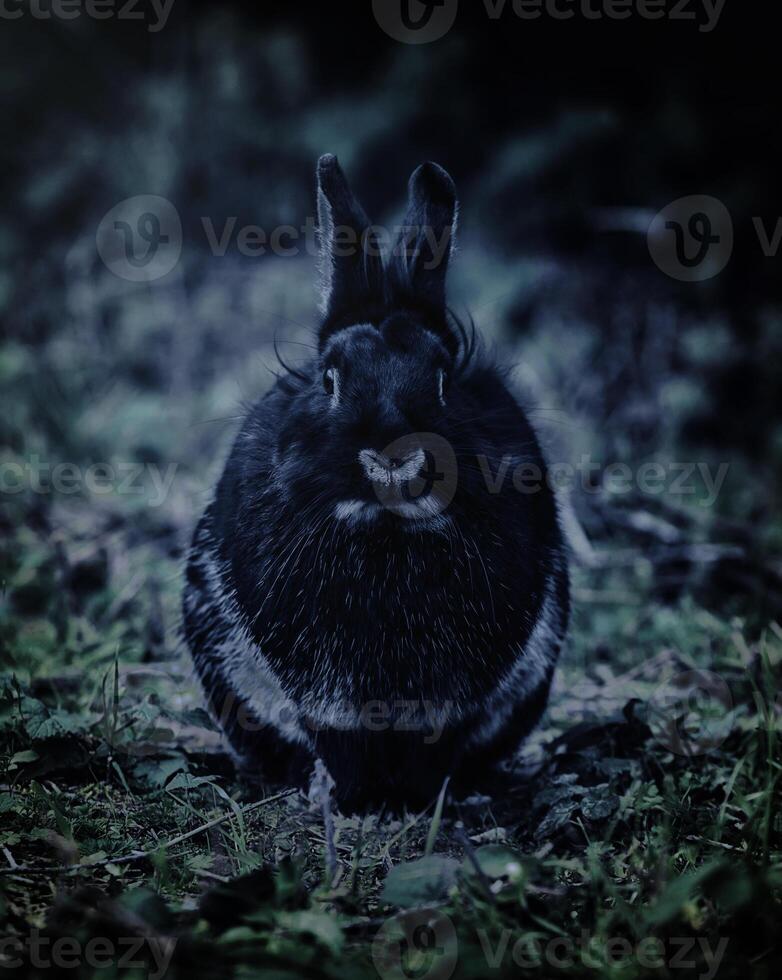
[
  {"x": 442, "y": 386},
  {"x": 331, "y": 382}
]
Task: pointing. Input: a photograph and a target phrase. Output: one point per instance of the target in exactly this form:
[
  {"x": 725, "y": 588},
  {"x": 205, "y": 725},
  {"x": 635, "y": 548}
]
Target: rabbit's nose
[{"x": 386, "y": 470}]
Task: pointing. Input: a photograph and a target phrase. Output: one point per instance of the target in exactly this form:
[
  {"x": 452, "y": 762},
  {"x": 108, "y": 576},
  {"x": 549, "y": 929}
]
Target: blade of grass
[{"x": 437, "y": 817}]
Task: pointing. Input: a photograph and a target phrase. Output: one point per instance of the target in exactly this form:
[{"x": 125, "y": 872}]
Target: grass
[{"x": 643, "y": 814}]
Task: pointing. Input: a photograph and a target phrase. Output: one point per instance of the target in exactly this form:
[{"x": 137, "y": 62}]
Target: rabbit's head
[{"x": 368, "y": 430}]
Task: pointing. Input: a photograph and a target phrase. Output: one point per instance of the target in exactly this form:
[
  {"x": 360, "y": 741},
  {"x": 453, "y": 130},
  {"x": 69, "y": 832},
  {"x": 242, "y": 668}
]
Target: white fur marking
[
  {"x": 528, "y": 670},
  {"x": 379, "y": 470},
  {"x": 355, "y": 511}
]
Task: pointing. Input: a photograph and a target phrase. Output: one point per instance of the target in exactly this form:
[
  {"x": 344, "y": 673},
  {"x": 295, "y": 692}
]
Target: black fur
[{"x": 399, "y": 649}]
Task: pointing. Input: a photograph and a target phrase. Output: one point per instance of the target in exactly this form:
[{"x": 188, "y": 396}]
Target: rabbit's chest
[{"x": 433, "y": 624}]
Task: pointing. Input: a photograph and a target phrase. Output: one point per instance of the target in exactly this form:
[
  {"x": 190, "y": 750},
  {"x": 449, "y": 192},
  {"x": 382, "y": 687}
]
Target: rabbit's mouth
[
  {"x": 398, "y": 489},
  {"x": 422, "y": 510}
]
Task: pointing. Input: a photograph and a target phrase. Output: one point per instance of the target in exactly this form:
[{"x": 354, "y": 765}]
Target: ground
[{"x": 646, "y": 806}]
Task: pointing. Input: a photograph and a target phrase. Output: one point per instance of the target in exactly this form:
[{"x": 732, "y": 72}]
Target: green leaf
[
  {"x": 9, "y": 802},
  {"x": 557, "y": 817},
  {"x": 157, "y": 772},
  {"x": 95, "y": 858},
  {"x": 599, "y": 804},
  {"x": 241, "y": 936},
  {"x": 184, "y": 780},
  {"x": 420, "y": 882},
  {"x": 324, "y": 928}
]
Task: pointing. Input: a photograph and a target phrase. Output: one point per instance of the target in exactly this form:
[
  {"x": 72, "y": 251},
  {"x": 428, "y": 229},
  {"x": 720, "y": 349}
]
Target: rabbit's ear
[
  {"x": 350, "y": 261},
  {"x": 427, "y": 237}
]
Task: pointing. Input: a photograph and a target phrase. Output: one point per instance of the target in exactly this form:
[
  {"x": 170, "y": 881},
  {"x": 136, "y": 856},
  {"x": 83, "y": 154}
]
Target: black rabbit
[{"x": 364, "y": 588}]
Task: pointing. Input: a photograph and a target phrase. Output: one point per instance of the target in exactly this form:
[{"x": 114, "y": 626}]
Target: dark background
[{"x": 565, "y": 139}]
